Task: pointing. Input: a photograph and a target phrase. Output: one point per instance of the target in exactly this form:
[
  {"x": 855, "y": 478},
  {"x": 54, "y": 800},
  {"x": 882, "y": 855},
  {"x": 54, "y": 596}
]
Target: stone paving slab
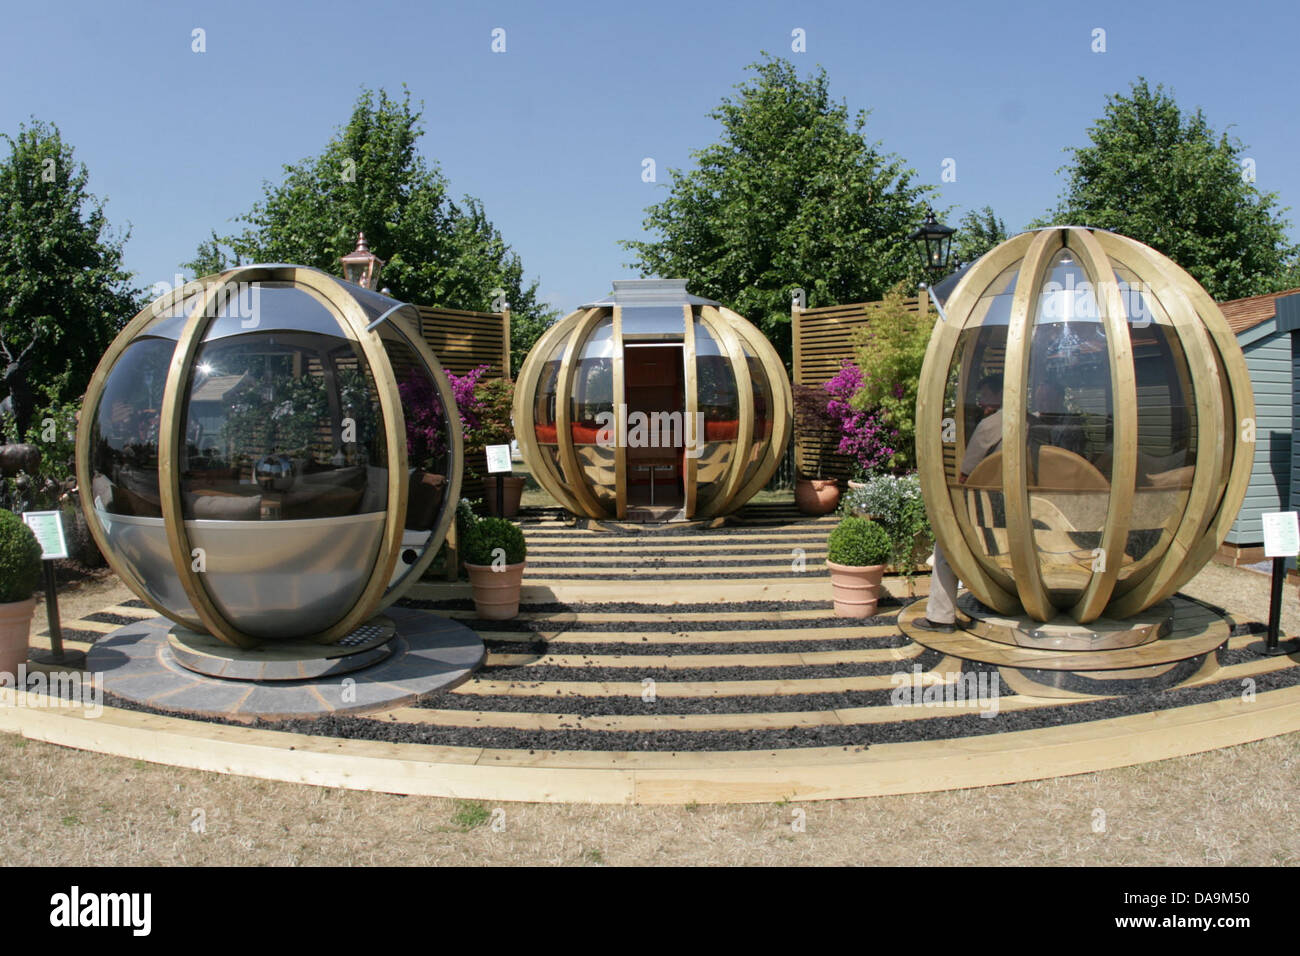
[{"x": 429, "y": 654}]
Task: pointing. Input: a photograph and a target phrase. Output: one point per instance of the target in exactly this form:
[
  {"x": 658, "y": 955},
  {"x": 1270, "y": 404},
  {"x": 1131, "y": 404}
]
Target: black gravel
[
  {"x": 590, "y": 648},
  {"x": 626, "y": 607},
  {"x": 534, "y": 674},
  {"x": 105, "y": 617}
]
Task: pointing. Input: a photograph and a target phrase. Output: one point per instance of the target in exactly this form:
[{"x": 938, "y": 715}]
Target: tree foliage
[
  {"x": 371, "y": 178},
  {"x": 977, "y": 233},
  {"x": 63, "y": 291},
  {"x": 890, "y": 352},
  {"x": 1164, "y": 177},
  {"x": 792, "y": 195}
]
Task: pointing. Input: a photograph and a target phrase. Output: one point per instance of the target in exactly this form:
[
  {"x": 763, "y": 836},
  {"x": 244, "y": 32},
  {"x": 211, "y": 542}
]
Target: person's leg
[{"x": 942, "y": 608}]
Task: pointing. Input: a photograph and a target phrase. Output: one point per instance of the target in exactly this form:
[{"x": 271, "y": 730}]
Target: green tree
[
  {"x": 890, "y": 351},
  {"x": 371, "y": 178},
  {"x": 63, "y": 291},
  {"x": 791, "y": 196},
  {"x": 977, "y": 233},
  {"x": 1164, "y": 177}
]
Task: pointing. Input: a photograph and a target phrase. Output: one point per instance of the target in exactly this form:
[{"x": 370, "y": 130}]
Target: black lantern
[
  {"x": 935, "y": 242},
  {"x": 362, "y": 266}
]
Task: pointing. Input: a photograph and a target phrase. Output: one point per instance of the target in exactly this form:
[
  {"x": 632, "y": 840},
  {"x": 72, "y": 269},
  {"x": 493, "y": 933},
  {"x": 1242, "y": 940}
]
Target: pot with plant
[
  {"x": 856, "y": 553},
  {"x": 495, "y": 552},
  {"x": 20, "y": 569},
  {"x": 814, "y": 495}
]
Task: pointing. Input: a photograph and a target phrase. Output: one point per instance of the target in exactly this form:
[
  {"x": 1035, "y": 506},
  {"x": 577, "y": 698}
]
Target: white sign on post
[
  {"x": 48, "y": 528},
  {"x": 1281, "y": 534},
  {"x": 498, "y": 458}
]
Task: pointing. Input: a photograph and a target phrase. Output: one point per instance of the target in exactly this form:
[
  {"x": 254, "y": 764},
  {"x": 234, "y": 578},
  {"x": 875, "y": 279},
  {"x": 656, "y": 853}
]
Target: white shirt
[{"x": 983, "y": 442}]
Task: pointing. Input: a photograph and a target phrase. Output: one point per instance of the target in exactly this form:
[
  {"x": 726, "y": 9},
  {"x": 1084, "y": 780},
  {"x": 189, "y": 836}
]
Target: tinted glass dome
[
  {"x": 1079, "y": 426},
  {"x": 246, "y": 463}
]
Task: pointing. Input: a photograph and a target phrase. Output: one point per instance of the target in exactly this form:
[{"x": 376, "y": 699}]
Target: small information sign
[
  {"x": 1281, "y": 534},
  {"x": 498, "y": 458},
  {"x": 48, "y": 528}
]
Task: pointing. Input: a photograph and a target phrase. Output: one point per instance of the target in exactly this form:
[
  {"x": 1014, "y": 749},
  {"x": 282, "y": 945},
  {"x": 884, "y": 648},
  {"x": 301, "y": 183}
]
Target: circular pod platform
[
  {"x": 393, "y": 661},
  {"x": 283, "y": 660},
  {"x": 1161, "y": 649}
]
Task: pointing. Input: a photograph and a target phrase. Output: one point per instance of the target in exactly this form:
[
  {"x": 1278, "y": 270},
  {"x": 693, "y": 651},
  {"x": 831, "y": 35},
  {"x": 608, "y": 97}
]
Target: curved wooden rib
[
  {"x": 619, "y": 394},
  {"x": 1015, "y": 385},
  {"x": 690, "y": 471},
  {"x": 954, "y": 536},
  {"x": 451, "y": 498},
  {"x": 89, "y": 407},
  {"x": 525, "y": 420},
  {"x": 1123, "y": 477},
  {"x": 727, "y": 339},
  {"x": 588, "y": 505},
  {"x": 781, "y": 399},
  {"x": 170, "y": 442}
]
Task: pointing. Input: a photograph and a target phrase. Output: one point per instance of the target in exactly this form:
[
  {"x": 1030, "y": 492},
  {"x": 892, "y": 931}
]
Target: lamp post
[
  {"x": 934, "y": 240},
  {"x": 362, "y": 266}
]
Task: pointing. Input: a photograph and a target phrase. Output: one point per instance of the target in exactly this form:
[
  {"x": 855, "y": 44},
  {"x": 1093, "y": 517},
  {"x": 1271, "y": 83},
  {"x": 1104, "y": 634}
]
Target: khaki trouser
[{"x": 942, "y": 608}]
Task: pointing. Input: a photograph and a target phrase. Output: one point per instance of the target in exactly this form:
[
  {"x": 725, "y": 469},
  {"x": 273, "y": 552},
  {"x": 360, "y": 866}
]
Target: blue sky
[{"x": 551, "y": 134}]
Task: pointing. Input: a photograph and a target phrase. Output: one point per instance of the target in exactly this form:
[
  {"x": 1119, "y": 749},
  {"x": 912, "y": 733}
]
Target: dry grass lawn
[{"x": 1228, "y": 807}]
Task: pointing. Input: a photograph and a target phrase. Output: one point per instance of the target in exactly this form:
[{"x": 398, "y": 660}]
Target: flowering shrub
[
  {"x": 863, "y": 436},
  {"x": 895, "y": 503},
  {"x": 890, "y": 353},
  {"x": 483, "y": 407}
]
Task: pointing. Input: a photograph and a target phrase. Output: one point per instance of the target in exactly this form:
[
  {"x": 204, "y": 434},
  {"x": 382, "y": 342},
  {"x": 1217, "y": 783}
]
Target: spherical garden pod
[
  {"x": 1084, "y": 426},
  {"x": 652, "y": 404},
  {"x": 266, "y": 455}
]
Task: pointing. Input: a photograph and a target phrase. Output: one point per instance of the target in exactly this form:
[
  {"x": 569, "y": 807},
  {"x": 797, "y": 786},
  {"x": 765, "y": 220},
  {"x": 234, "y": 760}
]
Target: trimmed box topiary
[
  {"x": 20, "y": 570},
  {"x": 859, "y": 542},
  {"x": 856, "y": 553},
  {"x": 495, "y": 553}
]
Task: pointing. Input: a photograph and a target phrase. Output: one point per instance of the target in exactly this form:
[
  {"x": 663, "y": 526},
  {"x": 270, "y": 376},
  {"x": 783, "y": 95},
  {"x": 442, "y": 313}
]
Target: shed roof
[{"x": 1245, "y": 314}]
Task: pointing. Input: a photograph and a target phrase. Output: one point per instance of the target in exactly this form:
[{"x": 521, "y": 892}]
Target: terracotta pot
[
  {"x": 496, "y": 593},
  {"x": 856, "y": 590},
  {"x": 857, "y": 485},
  {"x": 816, "y": 496},
  {"x": 513, "y": 490},
  {"x": 15, "y": 625}
]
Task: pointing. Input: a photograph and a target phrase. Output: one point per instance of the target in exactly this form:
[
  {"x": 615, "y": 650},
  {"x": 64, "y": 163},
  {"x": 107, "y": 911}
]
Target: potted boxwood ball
[
  {"x": 856, "y": 553},
  {"x": 494, "y": 552},
  {"x": 20, "y": 569}
]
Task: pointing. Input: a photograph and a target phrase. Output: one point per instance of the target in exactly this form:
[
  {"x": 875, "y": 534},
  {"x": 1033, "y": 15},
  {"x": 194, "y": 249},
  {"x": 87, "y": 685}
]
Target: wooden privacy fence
[
  {"x": 465, "y": 340},
  {"x": 822, "y": 339}
]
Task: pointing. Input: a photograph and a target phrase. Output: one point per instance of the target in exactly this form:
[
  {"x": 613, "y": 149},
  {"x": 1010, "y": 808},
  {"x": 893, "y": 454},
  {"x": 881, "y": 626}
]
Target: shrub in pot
[
  {"x": 20, "y": 570},
  {"x": 856, "y": 552},
  {"x": 895, "y": 502},
  {"x": 494, "y": 551}
]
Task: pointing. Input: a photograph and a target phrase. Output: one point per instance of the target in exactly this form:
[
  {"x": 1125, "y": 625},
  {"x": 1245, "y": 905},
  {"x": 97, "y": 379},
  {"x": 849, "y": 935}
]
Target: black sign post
[
  {"x": 1281, "y": 539},
  {"x": 48, "y": 528}
]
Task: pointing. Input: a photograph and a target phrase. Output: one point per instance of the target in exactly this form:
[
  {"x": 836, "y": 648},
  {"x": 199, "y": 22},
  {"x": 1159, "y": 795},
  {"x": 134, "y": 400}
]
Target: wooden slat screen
[
  {"x": 823, "y": 339},
  {"x": 465, "y": 340}
]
